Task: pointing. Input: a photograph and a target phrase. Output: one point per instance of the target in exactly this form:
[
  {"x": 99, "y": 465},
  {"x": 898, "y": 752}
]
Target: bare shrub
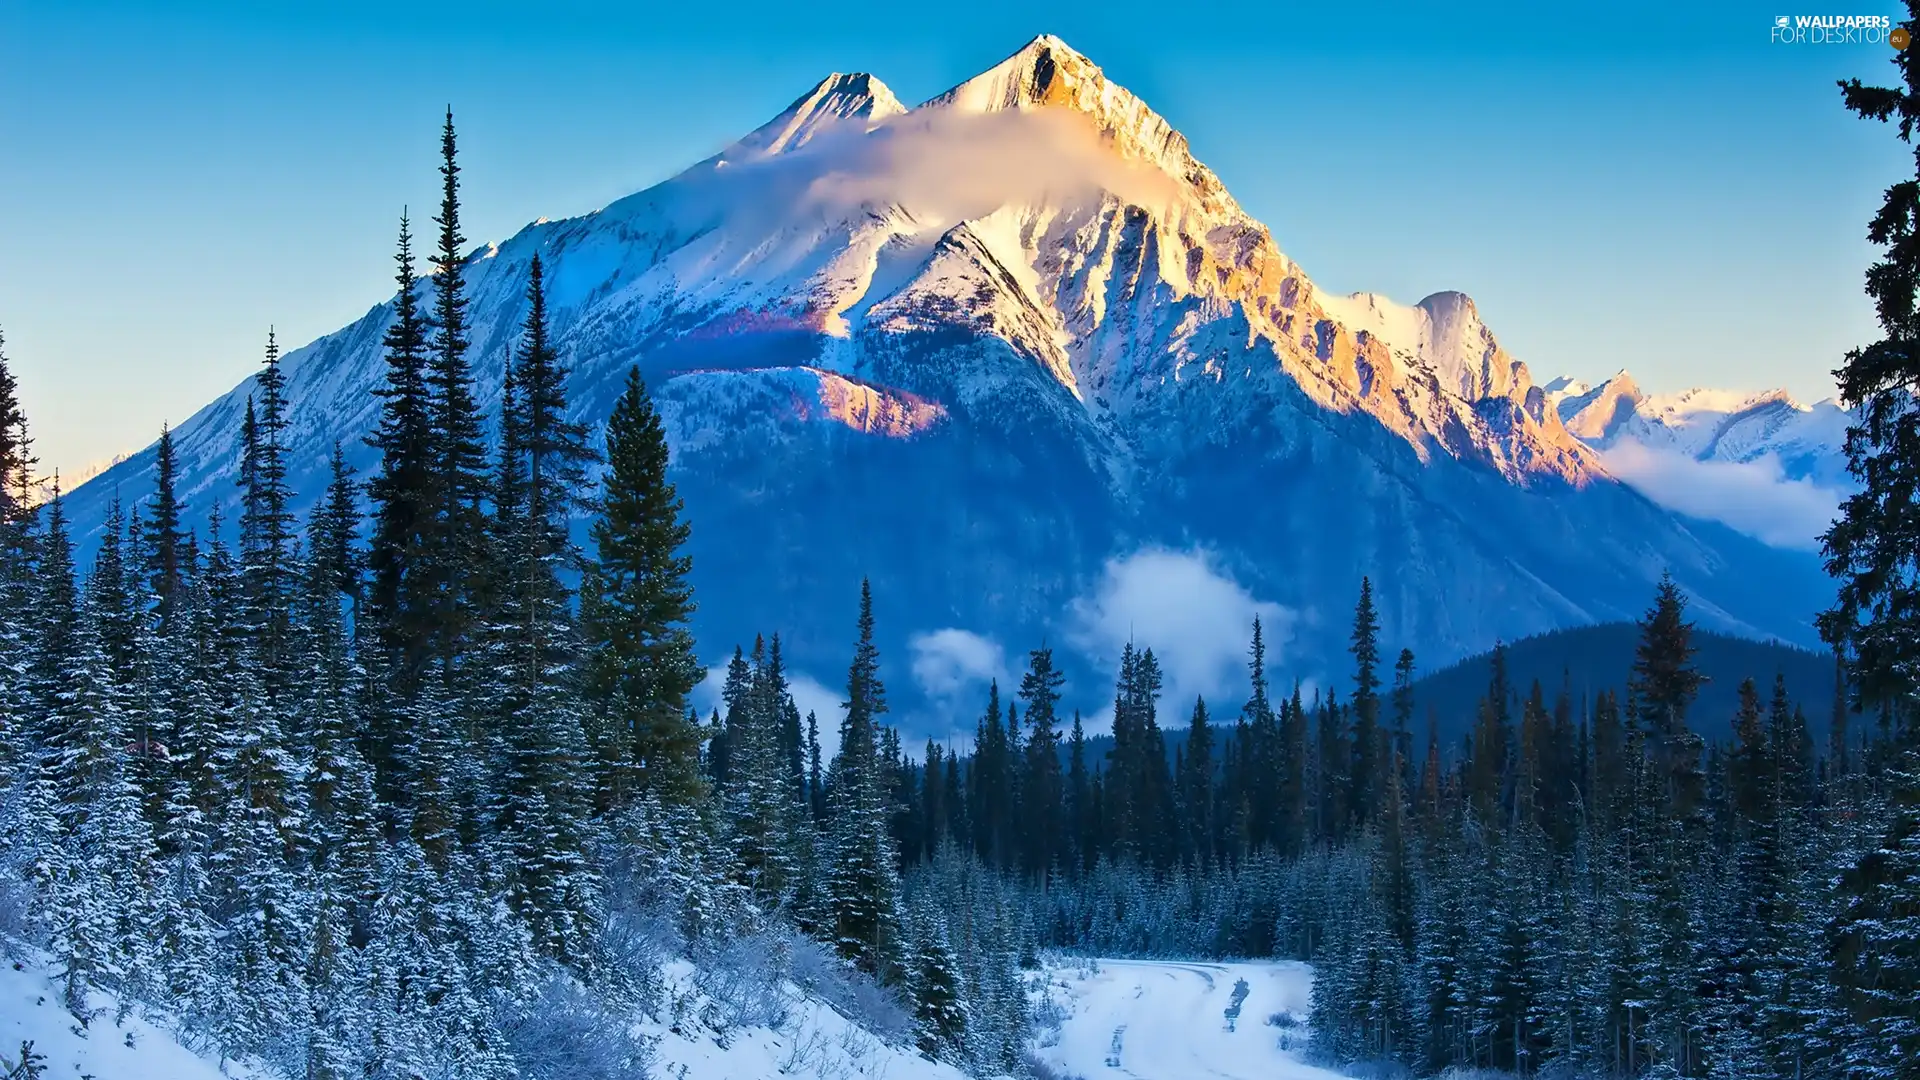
[
  {"x": 850, "y": 993},
  {"x": 563, "y": 1033},
  {"x": 744, "y": 979}
]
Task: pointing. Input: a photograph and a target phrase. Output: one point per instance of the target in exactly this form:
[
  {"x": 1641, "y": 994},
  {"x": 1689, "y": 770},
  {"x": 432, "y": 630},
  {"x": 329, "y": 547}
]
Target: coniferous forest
[{"x": 413, "y": 787}]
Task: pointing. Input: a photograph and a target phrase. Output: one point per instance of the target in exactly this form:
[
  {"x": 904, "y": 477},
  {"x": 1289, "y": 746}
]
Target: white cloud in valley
[
  {"x": 951, "y": 664},
  {"x": 1192, "y": 613},
  {"x": 1755, "y": 497}
]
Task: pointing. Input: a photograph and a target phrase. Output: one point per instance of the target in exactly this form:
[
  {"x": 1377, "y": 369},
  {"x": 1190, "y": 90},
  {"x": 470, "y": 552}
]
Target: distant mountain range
[
  {"x": 982, "y": 348},
  {"x": 1808, "y": 441}
]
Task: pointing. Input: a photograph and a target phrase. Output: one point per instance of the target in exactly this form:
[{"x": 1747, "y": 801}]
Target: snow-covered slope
[
  {"x": 977, "y": 348},
  {"x": 808, "y": 1038},
  {"x": 111, "y": 1046},
  {"x": 1168, "y": 1020},
  {"x": 1808, "y": 441},
  {"x": 691, "y": 1040}
]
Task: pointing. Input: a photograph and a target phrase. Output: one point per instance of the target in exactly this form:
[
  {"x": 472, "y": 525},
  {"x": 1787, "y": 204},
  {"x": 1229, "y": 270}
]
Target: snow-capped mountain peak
[
  {"x": 835, "y": 100},
  {"x": 1049, "y": 73},
  {"x": 1027, "y": 325}
]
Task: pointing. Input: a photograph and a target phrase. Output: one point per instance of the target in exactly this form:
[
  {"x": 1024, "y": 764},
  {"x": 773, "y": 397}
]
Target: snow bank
[
  {"x": 110, "y": 1047},
  {"x": 695, "y": 1038}
]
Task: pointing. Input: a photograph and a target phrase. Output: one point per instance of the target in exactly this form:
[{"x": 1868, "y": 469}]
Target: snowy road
[{"x": 1153, "y": 1020}]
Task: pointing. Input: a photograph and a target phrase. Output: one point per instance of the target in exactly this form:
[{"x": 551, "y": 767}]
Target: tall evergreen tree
[
  {"x": 1664, "y": 685},
  {"x": 333, "y": 535},
  {"x": 540, "y": 809},
  {"x": 403, "y": 490},
  {"x": 16, "y": 460},
  {"x": 1197, "y": 810},
  {"x": 267, "y": 564},
  {"x": 1403, "y": 704},
  {"x": 1872, "y": 547},
  {"x": 454, "y": 553},
  {"x": 16, "y": 572},
  {"x": 1042, "y": 798},
  {"x": 634, "y": 614},
  {"x": 1084, "y": 844},
  {"x": 1365, "y": 706},
  {"x": 990, "y": 787},
  {"x": 166, "y": 552},
  {"x": 863, "y": 886},
  {"x": 760, "y": 809}
]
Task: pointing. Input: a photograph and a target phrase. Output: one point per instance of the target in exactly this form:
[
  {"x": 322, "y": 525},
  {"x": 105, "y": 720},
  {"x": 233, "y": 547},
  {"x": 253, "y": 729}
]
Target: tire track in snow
[{"x": 1148, "y": 1020}]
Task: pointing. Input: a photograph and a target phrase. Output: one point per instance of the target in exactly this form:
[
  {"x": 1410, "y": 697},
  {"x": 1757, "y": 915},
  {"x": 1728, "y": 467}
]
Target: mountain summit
[
  {"x": 981, "y": 349},
  {"x": 837, "y": 98}
]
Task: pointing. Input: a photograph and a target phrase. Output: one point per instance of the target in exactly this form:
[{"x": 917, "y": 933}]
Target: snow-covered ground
[
  {"x": 1141, "y": 1019},
  {"x": 809, "y": 1040},
  {"x": 110, "y": 1047},
  {"x": 1167, "y": 1020}
]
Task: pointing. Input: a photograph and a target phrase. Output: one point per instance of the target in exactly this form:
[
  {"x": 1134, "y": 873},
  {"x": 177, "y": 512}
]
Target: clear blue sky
[{"x": 1639, "y": 185}]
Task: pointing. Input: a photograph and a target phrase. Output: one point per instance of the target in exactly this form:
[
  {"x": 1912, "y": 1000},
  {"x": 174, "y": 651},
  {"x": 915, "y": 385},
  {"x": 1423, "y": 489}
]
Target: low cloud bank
[
  {"x": 957, "y": 165},
  {"x": 1192, "y": 613},
  {"x": 1754, "y": 497},
  {"x": 951, "y": 664}
]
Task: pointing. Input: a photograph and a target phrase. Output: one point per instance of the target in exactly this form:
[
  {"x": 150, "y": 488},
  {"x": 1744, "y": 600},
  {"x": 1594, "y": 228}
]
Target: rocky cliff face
[{"x": 978, "y": 348}]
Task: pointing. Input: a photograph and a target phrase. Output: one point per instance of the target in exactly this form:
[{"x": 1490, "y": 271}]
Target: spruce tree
[
  {"x": 1664, "y": 685},
  {"x": 939, "y": 1008},
  {"x": 343, "y": 824},
  {"x": 1871, "y": 548},
  {"x": 1197, "y": 809},
  {"x": 816, "y": 772},
  {"x": 454, "y": 551},
  {"x": 402, "y": 491},
  {"x": 1261, "y": 746},
  {"x": 990, "y": 786},
  {"x": 1289, "y": 777},
  {"x": 1083, "y": 843},
  {"x": 1403, "y": 705},
  {"x": 16, "y": 460},
  {"x": 863, "y": 889},
  {"x": 757, "y": 796},
  {"x": 332, "y": 536},
  {"x": 634, "y": 612},
  {"x": 166, "y": 554},
  {"x": 534, "y": 673},
  {"x": 55, "y": 614},
  {"x": 16, "y": 576},
  {"x": 266, "y": 526},
  {"x": 1042, "y": 798},
  {"x": 1365, "y": 705}
]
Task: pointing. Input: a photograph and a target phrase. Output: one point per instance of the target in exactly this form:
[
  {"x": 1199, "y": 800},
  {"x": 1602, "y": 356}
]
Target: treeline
[
  {"x": 380, "y": 794},
  {"x": 1608, "y": 886}
]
